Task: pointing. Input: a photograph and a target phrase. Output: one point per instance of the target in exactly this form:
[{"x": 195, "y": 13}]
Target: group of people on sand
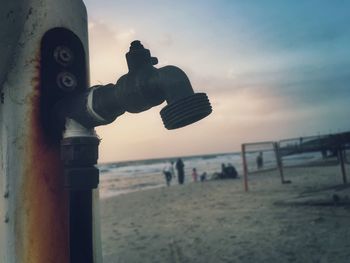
[
  {"x": 169, "y": 171},
  {"x": 195, "y": 176},
  {"x": 227, "y": 172}
]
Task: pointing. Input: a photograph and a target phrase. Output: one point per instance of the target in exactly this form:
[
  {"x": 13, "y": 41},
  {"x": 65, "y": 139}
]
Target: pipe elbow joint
[
  {"x": 147, "y": 87},
  {"x": 175, "y": 84}
]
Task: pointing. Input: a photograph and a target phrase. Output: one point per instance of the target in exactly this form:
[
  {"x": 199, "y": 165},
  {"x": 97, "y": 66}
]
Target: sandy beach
[{"x": 216, "y": 221}]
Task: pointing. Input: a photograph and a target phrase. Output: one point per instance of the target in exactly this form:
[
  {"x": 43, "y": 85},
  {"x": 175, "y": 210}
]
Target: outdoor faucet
[{"x": 143, "y": 87}]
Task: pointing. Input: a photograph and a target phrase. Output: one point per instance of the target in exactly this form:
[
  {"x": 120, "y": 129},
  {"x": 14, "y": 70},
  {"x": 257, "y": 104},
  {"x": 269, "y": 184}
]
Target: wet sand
[{"x": 216, "y": 221}]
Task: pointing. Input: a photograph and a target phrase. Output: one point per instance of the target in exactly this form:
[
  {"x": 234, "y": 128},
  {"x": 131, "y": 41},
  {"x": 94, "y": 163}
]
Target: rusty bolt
[
  {"x": 63, "y": 55},
  {"x": 66, "y": 81}
]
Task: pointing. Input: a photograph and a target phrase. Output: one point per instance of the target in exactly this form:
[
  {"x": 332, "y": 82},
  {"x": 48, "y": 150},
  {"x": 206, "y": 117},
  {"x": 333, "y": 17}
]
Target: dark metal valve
[{"x": 142, "y": 88}]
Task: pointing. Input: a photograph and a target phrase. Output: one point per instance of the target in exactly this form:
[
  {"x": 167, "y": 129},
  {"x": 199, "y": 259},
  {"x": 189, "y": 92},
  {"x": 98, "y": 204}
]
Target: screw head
[
  {"x": 63, "y": 55},
  {"x": 66, "y": 81}
]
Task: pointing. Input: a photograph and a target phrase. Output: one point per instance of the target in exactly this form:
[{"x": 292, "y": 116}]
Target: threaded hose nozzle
[{"x": 186, "y": 111}]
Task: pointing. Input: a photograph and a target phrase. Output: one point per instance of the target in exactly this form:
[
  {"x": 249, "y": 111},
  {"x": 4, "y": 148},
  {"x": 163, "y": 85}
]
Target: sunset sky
[{"x": 272, "y": 70}]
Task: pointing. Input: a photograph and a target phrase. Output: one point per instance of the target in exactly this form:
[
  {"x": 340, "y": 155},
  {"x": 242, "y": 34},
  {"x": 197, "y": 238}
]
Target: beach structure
[
  {"x": 49, "y": 182},
  {"x": 324, "y": 149},
  {"x": 255, "y": 150}
]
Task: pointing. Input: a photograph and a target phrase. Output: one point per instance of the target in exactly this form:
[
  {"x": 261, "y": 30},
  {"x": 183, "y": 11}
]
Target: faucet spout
[{"x": 184, "y": 107}]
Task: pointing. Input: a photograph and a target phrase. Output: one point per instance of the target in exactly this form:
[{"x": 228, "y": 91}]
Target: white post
[{"x": 33, "y": 202}]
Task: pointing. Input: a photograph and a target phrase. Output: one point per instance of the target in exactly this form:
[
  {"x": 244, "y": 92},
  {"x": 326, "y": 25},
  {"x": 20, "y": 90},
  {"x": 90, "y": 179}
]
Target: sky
[{"x": 272, "y": 70}]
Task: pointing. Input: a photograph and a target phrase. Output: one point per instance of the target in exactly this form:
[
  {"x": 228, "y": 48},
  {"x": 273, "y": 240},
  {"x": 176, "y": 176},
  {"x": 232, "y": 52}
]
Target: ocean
[{"x": 129, "y": 176}]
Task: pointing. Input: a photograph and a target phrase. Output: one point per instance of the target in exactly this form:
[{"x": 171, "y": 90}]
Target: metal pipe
[
  {"x": 341, "y": 153},
  {"x": 79, "y": 153},
  {"x": 80, "y": 226},
  {"x": 245, "y": 168},
  {"x": 279, "y": 161}
]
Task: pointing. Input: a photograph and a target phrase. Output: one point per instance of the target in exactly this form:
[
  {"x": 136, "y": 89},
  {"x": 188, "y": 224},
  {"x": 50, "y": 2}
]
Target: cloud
[
  {"x": 304, "y": 25},
  {"x": 308, "y": 85},
  {"x": 91, "y": 25},
  {"x": 270, "y": 97},
  {"x": 126, "y": 35},
  {"x": 166, "y": 40},
  {"x": 108, "y": 46}
]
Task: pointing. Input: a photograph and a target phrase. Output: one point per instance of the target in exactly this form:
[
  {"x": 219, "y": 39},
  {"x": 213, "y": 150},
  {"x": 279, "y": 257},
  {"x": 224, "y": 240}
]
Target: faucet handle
[
  {"x": 186, "y": 111},
  {"x": 138, "y": 56},
  {"x": 154, "y": 61}
]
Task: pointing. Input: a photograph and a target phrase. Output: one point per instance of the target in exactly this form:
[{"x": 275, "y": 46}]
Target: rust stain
[{"x": 43, "y": 227}]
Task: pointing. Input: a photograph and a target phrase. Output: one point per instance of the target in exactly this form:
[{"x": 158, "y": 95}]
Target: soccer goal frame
[{"x": 275, "y": 147}]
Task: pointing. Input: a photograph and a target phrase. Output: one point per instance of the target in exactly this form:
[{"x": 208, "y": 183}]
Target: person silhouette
[
  {"x": 167, "y": 173},
  {"x": 180, "y": 171},
  {"x": 259, "y": 161},
  {"x": 194, "y": 175}
]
